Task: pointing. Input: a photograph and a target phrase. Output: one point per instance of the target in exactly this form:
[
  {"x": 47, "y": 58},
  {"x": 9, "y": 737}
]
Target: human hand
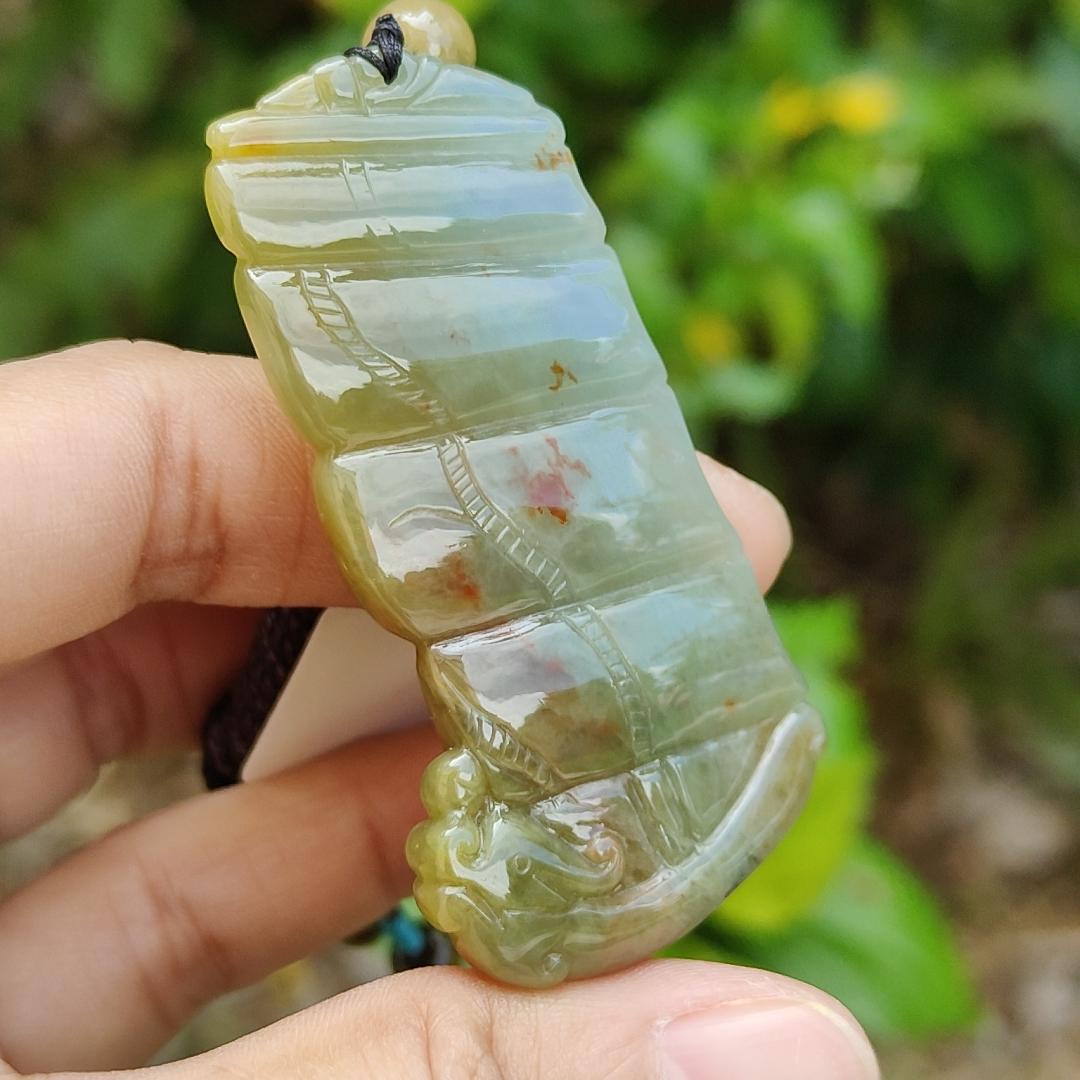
[{"x": 151, "y": 500}]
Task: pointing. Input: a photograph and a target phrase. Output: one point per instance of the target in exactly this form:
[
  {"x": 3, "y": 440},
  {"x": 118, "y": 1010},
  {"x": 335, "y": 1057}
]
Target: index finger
[{"x": 135, "y": 472}]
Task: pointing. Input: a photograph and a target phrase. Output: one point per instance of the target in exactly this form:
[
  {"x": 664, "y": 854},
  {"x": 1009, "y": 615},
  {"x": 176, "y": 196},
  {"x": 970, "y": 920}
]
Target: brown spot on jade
[
  {"x": 559, "y": 513},
  {"x": 561, "y": 374},
  {"x": 547, "y": 490},
  {"x": 552, "y": 159},
  {"x": 459, "y": 580}
]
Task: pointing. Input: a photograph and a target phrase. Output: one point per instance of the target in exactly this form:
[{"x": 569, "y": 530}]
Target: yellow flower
[
  {"x": 792, "y": 111},
  {"x": 711, "y": 338},
  {"x": 863, "y": 103}
]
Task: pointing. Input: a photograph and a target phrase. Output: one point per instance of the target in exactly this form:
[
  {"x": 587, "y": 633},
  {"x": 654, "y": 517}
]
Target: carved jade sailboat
[{"x": 509, "y": 484}]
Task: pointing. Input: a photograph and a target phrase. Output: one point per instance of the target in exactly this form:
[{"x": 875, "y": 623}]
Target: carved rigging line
[
  {"x": 324, "y": 88},
  {"x": 336, "y": 321},
  {"x": 506, "y": 535},
  {"x": 647, "y": 794},
  {"x": 587, "y": 623},
  {"x": 493, "y": 739},
  {"x": 360, "y": 96},
  {"x": 513, "y": 542}
]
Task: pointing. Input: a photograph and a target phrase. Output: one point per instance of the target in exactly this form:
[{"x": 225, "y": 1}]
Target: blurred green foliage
[
  {"x": 876, "y": 941},
  {"x": 854, "y": 231},
  {"x": 829, "y": 905},
  {"x": 822, "y": 638}
]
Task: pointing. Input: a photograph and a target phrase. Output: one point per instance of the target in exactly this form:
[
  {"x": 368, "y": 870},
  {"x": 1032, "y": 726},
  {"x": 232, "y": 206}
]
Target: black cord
[
  {"x": 385, "y": 50},
  {"x": 239, "y": 715},
  {"x": 235, "y": 722}
]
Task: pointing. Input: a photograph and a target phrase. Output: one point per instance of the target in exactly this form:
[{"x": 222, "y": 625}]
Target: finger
[
  {"x": 146, "y": 681},
  {"x": 143, "y": 928},
  {"x": 666, "y": 1020},
  {"x": 136, "y": 473},
  {"x": 143, "y": 683},
  {"x": 174, "y": 476},
  {"x": 756, "y": 514}
]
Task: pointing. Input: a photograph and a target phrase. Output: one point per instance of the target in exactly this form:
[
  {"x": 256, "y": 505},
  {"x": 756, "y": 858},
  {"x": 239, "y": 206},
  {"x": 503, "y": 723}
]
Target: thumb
[{"x": 666, "y": 1020}]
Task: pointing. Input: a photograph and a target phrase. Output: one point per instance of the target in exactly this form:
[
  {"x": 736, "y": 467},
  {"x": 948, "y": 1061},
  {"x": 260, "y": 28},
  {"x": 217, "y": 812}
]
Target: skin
[{"x": 151, "y": 500}]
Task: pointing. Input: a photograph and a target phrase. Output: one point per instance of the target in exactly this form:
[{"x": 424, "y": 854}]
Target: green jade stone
[{"x": 509, "y": 484}]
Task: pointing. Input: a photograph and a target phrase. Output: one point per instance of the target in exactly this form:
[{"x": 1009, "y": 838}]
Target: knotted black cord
[{"x": 385, "y": 50}]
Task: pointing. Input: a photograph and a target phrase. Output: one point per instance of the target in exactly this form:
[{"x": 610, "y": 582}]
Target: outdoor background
[{"x": 854, "y": 232}]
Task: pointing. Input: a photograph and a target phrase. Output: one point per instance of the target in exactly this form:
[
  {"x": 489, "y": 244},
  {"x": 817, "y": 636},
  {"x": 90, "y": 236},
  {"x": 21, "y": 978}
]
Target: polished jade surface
[{"x": 509, "y": 484}]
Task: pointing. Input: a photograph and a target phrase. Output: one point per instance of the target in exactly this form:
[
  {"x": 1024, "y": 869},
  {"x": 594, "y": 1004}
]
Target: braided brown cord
[{"x": 239, "y": 715}]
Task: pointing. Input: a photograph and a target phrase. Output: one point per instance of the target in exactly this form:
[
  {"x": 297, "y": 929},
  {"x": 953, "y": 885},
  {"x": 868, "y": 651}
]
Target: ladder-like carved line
[
  {"x": 335, "y": 320},
  {"x": 325, "y": 305},
  {"x": 591, "y": 628},
  {"x": 504, "y": 747},
  {"x": 584, "y": 620},
  {"x": 490, "y": 519}
]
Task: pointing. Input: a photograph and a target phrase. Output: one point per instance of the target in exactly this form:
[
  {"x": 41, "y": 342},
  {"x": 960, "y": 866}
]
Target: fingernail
[{"x": 766, "y": 1040}]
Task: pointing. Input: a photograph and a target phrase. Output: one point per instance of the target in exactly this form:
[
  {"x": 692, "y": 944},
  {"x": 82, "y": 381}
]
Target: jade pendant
[{"x": 509, "y": 484}]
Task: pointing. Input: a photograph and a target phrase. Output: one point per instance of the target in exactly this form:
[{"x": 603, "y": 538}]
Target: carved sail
[{"x": 509, "y": 484}]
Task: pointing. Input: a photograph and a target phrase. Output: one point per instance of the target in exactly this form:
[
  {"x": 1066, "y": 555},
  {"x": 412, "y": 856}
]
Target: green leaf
[
  {"x": 131, "y": 47},
  {"x": 842, "y": 241},
  {"x": 791, "y": 311},
  {"x": 878, "y": 941},
  {"x": 822, "y": 637},
  {"x": 749, "y": 391},
  {"x": 795, "y": 875},
  {"x": 24, "y": 79},
  {"x": 360, "y": 11},
  {"x": 850, "y": 369},
  {"x": 125, "y": 229},
  {"x": 700, "y": 946},
  {"x": 670, "y": 142},
  {"x": 24, "y": 317},
  {"x": 789, "y": 37},
  {"x": 648, "y": 263},
  {"x": 1059, "y": 82},
  {"x": 983, "y": 203}
]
